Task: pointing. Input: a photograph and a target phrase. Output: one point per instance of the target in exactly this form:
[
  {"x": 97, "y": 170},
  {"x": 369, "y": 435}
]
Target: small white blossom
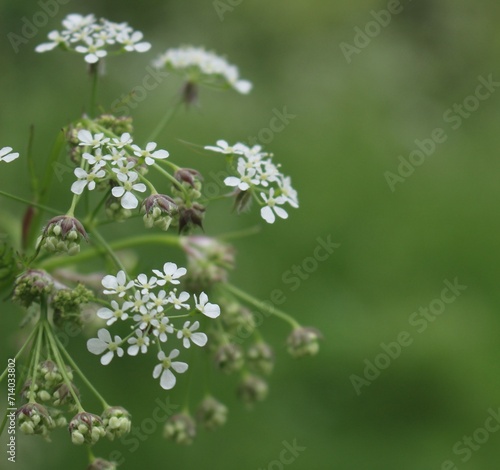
[
  {"x": 56, "y": 39},
  {"x": 86, "y": 179},
  {"x": 6, "y": 155},
  {"x": 144, "y": 283},
  {"x": 247, "y": 177},
  {"x": 145, "y": 317},
  {"x": 97, "y": 159},
  {"x": 132, "y": 43},
  {"x": 189, "y": 335},
  {"x": 162, "y": 370},
  {"x": 149, "y": 158},
  {"x": 171, "y": 273},
  {"x": 158, "y": 301},
  {"x": 205, "y": 307},
  {"x": 161, "y": 328},
  {"x": 93, "y": 50},
  {"x": 116, "y": 284},
  {"x": 272, "y": 207},
  {"x": 139, "y": 301},
  {"x": 124, "y": 192},
  {"x": 224, "y": 147},
  {"x": 139, "y": 342},
  {"x": 87, "y": 139},
  {"x": 123, "y": 170},
  {"x": 288, "y": 192},
  {"x": 177, "y": 302},
  {"x": 103, "y": 343},
  {"x": 118, "y": 313},
  {"x": 125, "y": 139}
]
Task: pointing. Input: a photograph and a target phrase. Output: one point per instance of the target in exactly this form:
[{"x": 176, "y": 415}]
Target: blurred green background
[{"x": 397, "y": 248}]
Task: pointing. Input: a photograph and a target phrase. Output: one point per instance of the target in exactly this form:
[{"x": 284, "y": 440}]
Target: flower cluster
[
  {"x": 116, "y": 161},
  {"x": 198, "y": 65},
  {"x": 259, "y": 177},
  {"x": 151, "y": 303},
  {"x": 94, "y": 38}
]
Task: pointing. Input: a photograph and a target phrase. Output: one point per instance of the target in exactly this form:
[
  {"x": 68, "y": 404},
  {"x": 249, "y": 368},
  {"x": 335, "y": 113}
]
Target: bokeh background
[{"x": 354, "y": 118}]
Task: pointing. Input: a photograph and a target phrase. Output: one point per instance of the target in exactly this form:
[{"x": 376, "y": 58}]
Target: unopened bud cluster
[{"x": 63, "y": 234}]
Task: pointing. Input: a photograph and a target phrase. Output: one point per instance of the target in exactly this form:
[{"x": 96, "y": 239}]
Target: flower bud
[
  {"x": 180, "y": 428},
  {"x": 117, "y": 125},
  {"x": 158, "y": 211},
  {"x": 34, "y": 418},
  {"x": 31, "y": 286},
  {"x": 238, "y": 319},
  {"x": 116, "y": 421},
  {"x": 229, "y": 358},
  {"x": 211, "y": 414},
  {"x": 252, "y": 389},
  {"x": 63, "y": 395},
  {"x": 86, "y": 428},
  {"x": 189, "y": 176},
  {"x": 190, "y": 217},
  {"x": 115, "y": 211},
  {"x": 242, "y": 201},
  {"x": 63, "y": 234},
  {"x": 303, "y": 341},
  {"x": 260, "y": 357}
]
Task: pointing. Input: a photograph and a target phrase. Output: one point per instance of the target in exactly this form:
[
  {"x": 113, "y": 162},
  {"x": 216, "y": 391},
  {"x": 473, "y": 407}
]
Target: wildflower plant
[{"x": 168, "y": 312}]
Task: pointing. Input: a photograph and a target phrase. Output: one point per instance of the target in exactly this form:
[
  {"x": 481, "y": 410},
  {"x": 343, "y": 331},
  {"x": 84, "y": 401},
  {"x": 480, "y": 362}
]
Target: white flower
[
  {"x": 116, "y": 285},
  {"x": 177, "y": 302},
  {"x": 268, "y": 174},
  {"x": 288, "y": 192},
  {"x": 93, "y": 50},
  {"x": 224, "y": 147},
  {"x": 6, "y": 156},
  {"x": 117, "y": 313},
  {"x": 117, "y": 156},
  {"x": 98, "y": 158},
  {"x": 204, "y": 67},
  {"x": 188, "y": 335},
  {"x": 56, "y": 39},
  {"x": 144, "y": 283},
  {"x": 125, "y": 139},
  {"x": 246, "y": 179},
  {"x": 87, "y": 179},
  {"x": 162, "y": 370},
  {"x": 171, "y": 273},
  {"x": 128, "y": 199},
  {"x": 132, "y": 43},
  {"x": 272, "y": 207},
  {"x": 86, "y": 138},
  {"x": 139, "y": 301},
  {"x": 205, "y": 307},
  {"x": 102, "y": 343},
  {"x": 74, "y": 21},
  {"x": 145, "y": 317},
  {"x": 122, "y": 169},
  {"x": 147, "y": 155},
  {"x": 158, "y": 301},
  {"x": 161, "y": 328},
  {"x": 140, "y": 342}
]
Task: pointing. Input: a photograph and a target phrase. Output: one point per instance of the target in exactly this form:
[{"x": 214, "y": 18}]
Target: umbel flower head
[
  {"x": 94, "y": 38},
  {"x": 211, "y": 414},
  {"x": 180, "y": 428},
  {"x": 86, "y": 428},
  {"x": 303, "y": 341},
  {"x": 159, "y": 211},
  {"x": 34, "y": 418},
  {"x": 199, "y": 66},
  {"x": 116, "y": 421}
]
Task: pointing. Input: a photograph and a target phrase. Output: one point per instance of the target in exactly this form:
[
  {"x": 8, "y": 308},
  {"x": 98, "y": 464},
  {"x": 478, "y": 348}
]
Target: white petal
[
  {"x": 267, "y": 214},
  {"x": 232, "y": 181},
  {"x": 96, "y": 346},
  {"x": 106, "y": 359},
  {"x": 104, "y": 335},
  {"x": 179, "y": 367},
  {"x": 129, "y": 201},
  {"x": 78, "y": 186},
  {"x": 157, "y": 371},
  {"x": 280, "y": 212},
  {"x": 200, "y": 339},
  {"x": 141, "y": 187},
  {"x": 243, "y": 86},
  {"x": 167, "y": 380},
  {"x": 211, "y": 310},
  {"x": 10, "y": 158},
  {"x": 109, "y": 282},
  {"x": 118, "y": 191}
]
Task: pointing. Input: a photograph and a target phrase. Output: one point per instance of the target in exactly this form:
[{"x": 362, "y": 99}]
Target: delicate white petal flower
[
  {"x": 145, "y": 317},
  {"x": 162, "y": 370},
  {"x": 205, "y": 307},
  {"x": 171, "y": 273},
  {"x": 158, "y": 301},
  {"x": 87, "y": 139},
  {"x": 224, "y": 147},
  {"x": 161, "y": 328},
  {"x": 6, "y": 155},
  {"x": 125, "y": 139},
  {"x": 116, "y": 284},
  {"x": 103, "y": 343},
  {"x": 272, "y": 207},
  {"x": 118, "y": 313},
  {"x": 188, "y": 334},
  {"x": 139, "y": 342},
  {"x": 177, "y": 302},
  {"x": 128, "y": 199},
  {"x": 144, "y": 283}
]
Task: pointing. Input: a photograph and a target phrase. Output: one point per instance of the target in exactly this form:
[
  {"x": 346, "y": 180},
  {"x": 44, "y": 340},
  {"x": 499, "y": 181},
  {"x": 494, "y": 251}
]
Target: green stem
[
  {"x": 89, "y": 221},
  {"x": 164, "y": 121},
  {"x": 38, "y": 346},
  {"x": 61, "y": 365},
  {"x": 93, "y": 95},
  {"x": 30, "y": 203},
  {"x": 240, "y": 234},
  {"x": 23, "y": 347},
  {"x": 80, "y": 373},
  {"x": 261, "y": 305},
  {"x": 157, "y": 239}
]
